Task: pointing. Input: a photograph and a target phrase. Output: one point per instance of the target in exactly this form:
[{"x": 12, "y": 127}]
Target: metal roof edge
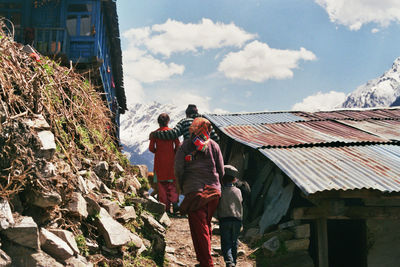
[{"x": 301, "y": 111}]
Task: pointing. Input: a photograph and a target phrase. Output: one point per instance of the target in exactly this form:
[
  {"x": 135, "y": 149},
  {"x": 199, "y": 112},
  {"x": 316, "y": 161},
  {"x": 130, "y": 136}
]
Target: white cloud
[
  {"x": 137, "y": 35},
  {"x": 133, "y": 90},
  {"x": 375, "y": 30},
  {"x": 258, "y": 62},
  {"x": 355, "y": 13},
  {"x": 148, "y": 69},
  {"x": 183, "y": 97},
  {"x": 248, "y": 94},
  {"x": 139, "y": 58},
  {"x": 321, "y": 101},
  {"x": 145, "y": 68},
  {"x": 220, "y": 111},
  {"x": 175, "y": 36}
]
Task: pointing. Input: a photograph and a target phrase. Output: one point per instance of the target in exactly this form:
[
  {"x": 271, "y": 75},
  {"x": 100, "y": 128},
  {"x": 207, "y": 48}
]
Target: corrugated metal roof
[
  {"x": 355, "y": 115},
  {"x": 343, "y": 149},
  {"x": 252, "y": 118},
  {"x": 389, "y": 129},
  {"x": 223, "y": 120},
  {"x": 352, "y": 114},
  {"x": 315, "y": 169},
  {"x": 299, "y": 133}
]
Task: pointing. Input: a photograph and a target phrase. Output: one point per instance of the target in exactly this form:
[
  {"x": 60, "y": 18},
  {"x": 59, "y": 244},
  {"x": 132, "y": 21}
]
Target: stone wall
[{"x": 383, "y": 239}]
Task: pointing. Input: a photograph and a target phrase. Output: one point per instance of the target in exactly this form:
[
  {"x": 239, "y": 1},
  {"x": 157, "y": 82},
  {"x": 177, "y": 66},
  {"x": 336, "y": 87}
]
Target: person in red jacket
[{"x": 164, "y": 158}]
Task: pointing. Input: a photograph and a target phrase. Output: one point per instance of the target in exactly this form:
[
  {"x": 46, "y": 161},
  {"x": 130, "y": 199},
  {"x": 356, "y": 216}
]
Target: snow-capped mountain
[
  {"x": 136, "y": 125},
  {"x": 379, "y": 92}
]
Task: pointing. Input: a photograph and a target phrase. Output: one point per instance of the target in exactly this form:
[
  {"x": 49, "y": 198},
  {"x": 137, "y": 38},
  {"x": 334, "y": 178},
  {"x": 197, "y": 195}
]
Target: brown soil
[{"x": 181, "y": 247}]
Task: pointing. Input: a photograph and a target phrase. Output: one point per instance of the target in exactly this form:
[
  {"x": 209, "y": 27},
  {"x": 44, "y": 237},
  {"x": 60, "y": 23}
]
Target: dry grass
[{"x": 75, "y": 111}]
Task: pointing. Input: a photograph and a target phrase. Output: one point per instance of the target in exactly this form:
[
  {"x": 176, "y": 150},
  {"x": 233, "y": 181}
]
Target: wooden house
[
  {"x": 83, "y": 33},
  {"x": 333, "y": 178}
]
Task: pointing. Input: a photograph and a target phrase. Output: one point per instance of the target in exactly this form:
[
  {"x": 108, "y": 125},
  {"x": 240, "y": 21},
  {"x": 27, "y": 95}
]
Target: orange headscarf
[{"x": 200, "y": 126}]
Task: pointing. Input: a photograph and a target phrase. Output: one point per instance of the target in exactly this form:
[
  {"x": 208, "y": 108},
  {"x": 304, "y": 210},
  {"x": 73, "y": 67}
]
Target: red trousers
[
  {"x": 167, "y": 193},
  {"x": 200, "y": 229}
]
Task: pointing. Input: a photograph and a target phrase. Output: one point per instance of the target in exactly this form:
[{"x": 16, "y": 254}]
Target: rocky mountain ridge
[{"x": 379, "y": 92}]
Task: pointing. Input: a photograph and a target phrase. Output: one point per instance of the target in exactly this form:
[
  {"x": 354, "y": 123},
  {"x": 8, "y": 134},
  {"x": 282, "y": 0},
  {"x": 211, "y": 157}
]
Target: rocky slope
[{"x": 68, "y": 197}]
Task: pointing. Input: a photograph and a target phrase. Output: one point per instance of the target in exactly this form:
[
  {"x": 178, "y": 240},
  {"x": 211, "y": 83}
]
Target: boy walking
[{"x": 230, "y": 212}]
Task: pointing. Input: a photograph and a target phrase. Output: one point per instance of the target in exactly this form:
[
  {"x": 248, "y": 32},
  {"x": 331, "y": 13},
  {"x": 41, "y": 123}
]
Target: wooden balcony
[
  {"x": 51, "y": 41},
  {"x": 47, "y": 41}
]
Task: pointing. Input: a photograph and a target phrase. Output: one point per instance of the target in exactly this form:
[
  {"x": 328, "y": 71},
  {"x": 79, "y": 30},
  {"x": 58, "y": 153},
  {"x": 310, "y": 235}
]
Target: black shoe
[{"x": 175, "y": 208}]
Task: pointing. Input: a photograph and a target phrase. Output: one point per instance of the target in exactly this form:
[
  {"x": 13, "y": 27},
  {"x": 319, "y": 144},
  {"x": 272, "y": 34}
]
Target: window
[
  {"x": 72, "y": 21},
  {"x": 79, "y": 20},
  {"x": 85, "y": 25},
  {"x": 80, "y": 8}
]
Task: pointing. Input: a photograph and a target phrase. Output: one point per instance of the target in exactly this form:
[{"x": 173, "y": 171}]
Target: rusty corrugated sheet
[
  {"x": 252, "y": 118},
  {"x": 299, "y": 133},
  {"x": 336, "y": 150},
  {"x": 389, "y": 129},
  {"x": 354, "y": 114},
  {"x": 315, "y": 169}
]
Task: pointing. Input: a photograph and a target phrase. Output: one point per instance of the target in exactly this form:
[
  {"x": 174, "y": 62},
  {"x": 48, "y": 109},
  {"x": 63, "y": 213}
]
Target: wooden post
[{"x": 322, "y": 237}]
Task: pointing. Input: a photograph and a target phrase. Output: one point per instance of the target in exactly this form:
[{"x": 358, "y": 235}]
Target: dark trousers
[{"x": 229, "y": 230}]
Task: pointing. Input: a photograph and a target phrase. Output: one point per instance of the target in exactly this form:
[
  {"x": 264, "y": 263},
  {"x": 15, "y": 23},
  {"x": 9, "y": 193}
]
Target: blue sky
[{"x": 255, "y": 55}]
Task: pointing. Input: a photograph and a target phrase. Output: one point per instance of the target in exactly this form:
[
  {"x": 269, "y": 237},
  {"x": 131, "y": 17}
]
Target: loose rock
[
  {"x": 54, "y": 245},
  {"x": 6, "y": 217},
  {"x": 67, "y": 237},
  {"x": 114, "y": 233},
  {"x": 24, "y": 232},
  {"x": 78, "y": 205}
]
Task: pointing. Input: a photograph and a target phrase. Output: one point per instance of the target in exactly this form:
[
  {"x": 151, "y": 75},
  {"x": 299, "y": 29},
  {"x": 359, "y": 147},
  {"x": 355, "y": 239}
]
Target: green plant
[
  {"x": 282, "y": 250},
  {"x": 81, "y": 242},
  {"x": 138, "y": 261},
  {"x": 49, "y": 69},
  {"x": 258, "y": 256},
  {"x": 94, "y": 216},
  {"x": 84, "y": 137},
  {"x": 144, "y": 182},
  {"x": 128, "y": 200}
]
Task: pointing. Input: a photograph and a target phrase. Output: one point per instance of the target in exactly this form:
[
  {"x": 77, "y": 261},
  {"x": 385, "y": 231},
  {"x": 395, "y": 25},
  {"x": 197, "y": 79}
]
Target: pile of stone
[
  {"x": 286, "y": 246},
  {"x": 41, "y": 226}
]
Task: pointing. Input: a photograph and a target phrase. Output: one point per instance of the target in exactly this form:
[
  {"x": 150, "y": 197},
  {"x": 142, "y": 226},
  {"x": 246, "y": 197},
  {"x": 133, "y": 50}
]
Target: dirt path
[{"x": 180, "y": 250}]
